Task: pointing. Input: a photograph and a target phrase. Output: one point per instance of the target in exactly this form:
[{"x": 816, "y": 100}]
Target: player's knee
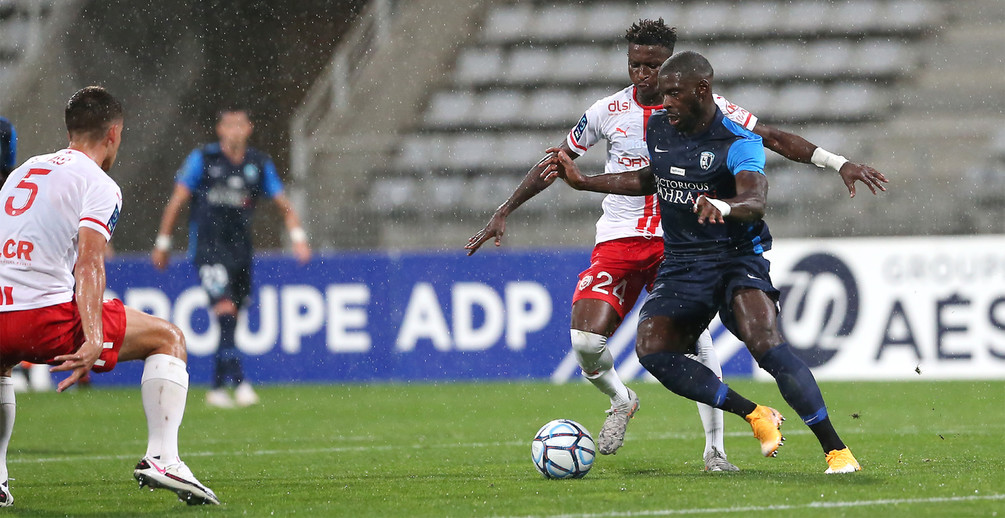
[
  {"x": 172, "y": 341},
  {"x": 588, "y": 343}
]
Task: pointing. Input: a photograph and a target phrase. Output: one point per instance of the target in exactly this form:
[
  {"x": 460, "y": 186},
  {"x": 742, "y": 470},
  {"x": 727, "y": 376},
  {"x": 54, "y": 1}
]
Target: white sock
[
  {"x": 164, "y": 389},
  {"x": 7, "y": 408},
  {"x": 598, "y": 365},
  {"x": 711, "y": 418}
]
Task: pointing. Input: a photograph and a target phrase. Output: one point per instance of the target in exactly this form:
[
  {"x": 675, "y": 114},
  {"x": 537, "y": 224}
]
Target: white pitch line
[{"x": 768, "y": 508}]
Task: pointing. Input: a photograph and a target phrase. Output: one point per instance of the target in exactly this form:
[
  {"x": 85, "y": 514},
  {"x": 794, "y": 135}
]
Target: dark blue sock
[
  {"x": 228, "y": 359},
  {"x": 795, "y": 382},
  {"x": 686, "y": 377}
]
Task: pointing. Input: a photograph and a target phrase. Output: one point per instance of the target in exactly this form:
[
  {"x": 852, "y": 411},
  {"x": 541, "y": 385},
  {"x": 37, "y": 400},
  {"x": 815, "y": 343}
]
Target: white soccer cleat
[
  {"x": 244, "y": 395},
  {"x": 612, "y": 435},
  {"x": 6, "y": 499},
  {"x": 219, "y": 398},
  {"x": 174, "y": 477},
  {"x": 715, "y": 460}
]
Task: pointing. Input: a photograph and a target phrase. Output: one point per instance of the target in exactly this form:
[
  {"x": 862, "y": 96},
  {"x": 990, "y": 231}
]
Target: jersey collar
[{"x": 635, "y": 98}]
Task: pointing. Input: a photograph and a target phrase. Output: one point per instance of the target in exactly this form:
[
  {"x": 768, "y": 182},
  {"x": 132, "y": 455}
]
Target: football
[{"x": 563, "y": 449}]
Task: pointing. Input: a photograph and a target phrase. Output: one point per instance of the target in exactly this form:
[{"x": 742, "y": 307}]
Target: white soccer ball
[{"x": 563, "y": 449}]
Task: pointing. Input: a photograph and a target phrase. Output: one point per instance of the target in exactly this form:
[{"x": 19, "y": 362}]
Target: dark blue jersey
[
  {"x": 224, "y": 196},
  {"x": 8, "y": 148},
  {"x": 686, "y": 167}
]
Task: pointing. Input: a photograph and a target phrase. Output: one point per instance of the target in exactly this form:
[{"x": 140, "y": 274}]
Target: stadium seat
[
  {"x": 607, "y": 20},
  {"x": 707, "y": 20},
  {"x": 882, "y": 57},
  {"x": 778, "y": 61},
  {"x": 911, "y": 15},
  {"x": 557, "y": 22},
  {"x": 442, "y": 194},
  {"x": 389, "y": 194},
  {"x": 479, "y": 65},
  {"x": 854, "y": 16},
  {"x": 854, "y": 101},
  {"x": 829, "y": 58},
  {"x": 612, "y": 65},
  {"x": 799, "y": 102},
  {"x": 530, "y": 64},
  {"x": 757, "y": 99},
  {"x": 520, "y": 151},
  {"x": 450, "y": 108},
  {"x": 579, "y": 63},
  {"x": 673, "y": 13},
  {"x": 732, "y": 61},
  {"x": 552, "y": 106},
  {"x": 756, "y": 19},
  {"x": 470, "y": 151},
  {"x": 499, "y": 108},
  {"x": 507, "y": 23},
  {"x": 417, "y": 152},
  {"x": 804, "y": 17}
]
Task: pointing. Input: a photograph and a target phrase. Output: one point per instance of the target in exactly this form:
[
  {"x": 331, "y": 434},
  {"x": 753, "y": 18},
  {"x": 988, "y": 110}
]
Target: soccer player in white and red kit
[
  {"x": 58, "y": 213},
  {"x": 629, "y": 245}
]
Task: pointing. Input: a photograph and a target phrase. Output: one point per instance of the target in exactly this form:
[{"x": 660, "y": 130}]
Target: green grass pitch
[{"x": 463, "y": 449}]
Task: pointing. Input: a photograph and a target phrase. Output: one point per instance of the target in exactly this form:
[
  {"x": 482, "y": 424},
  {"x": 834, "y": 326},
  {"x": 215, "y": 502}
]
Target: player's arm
[
  {"x": 89, "y": 275},
  {"x": 162, "y": 246},
  {"x": 298, "y": 238},
  {"x": 639, "y": 182},
  {"x": 798, "y": 149},
  {"x": 748, "y": 204},
  {"x": 273, "y": 187},
  {"x": 530, "y": 186}
]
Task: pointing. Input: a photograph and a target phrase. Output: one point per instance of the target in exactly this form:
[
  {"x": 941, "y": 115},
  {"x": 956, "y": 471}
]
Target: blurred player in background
[
  {"x": 629, "y": 245},
  {"x": 8, "y": 148},
  {"x": 225, "y": 180},
  {"x": 59, "y": 211},
  {"x": 705, "y": 163}
]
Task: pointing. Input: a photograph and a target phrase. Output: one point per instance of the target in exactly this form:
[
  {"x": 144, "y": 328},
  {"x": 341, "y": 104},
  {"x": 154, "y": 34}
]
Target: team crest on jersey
[
  {"x": 251, "y": 173},
  {"x": 584, "y": 282},
  {"x": 580, "y": 128},
  {"x": 706, "y": 159},
  {"x": 113, "y": 220}
]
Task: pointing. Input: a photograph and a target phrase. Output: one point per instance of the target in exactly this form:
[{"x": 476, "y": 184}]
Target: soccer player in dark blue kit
[
  {"x": 708, "y": 173},
  {"x": 8, "y": 148},
  {"x": 225, "y": 179}
]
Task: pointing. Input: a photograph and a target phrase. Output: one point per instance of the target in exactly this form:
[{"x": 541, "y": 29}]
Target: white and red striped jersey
[
  {"x": 43, "y": 204},
  {"x": 621, "y": 120}
]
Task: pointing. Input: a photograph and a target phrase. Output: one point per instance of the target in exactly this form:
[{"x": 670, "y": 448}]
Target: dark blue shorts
[
  {"x": 693, "y": 290},
  {"x": 226, "y": 282}
]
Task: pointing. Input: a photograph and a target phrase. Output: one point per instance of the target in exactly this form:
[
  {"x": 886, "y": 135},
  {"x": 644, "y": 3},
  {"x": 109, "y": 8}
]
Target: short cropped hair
[
  {"x": 689, "y": 64},
  {"x": 652, "y": 32},
  {"x": 91, "y": 111},
  {"x": 232, "y": 108}
]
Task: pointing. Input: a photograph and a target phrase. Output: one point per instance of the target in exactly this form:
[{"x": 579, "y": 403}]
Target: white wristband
[
  {"x": 823, "y": 158},
  {"x": 162, "y": 243},
  {"x": 723, "y": 207},
  {"x": 297, "y": 235}
]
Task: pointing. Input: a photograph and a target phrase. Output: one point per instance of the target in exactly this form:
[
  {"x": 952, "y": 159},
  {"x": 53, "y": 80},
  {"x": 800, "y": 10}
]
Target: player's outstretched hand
[
  {"x": 80, "y": 362},
  {"x": 560, "y": 165},
  {"x": 706, "y": 211},
  {"x": 495, "y": 228},
  {"x": 851, "y": 172},
  {"x": 160, "y": 259}
]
